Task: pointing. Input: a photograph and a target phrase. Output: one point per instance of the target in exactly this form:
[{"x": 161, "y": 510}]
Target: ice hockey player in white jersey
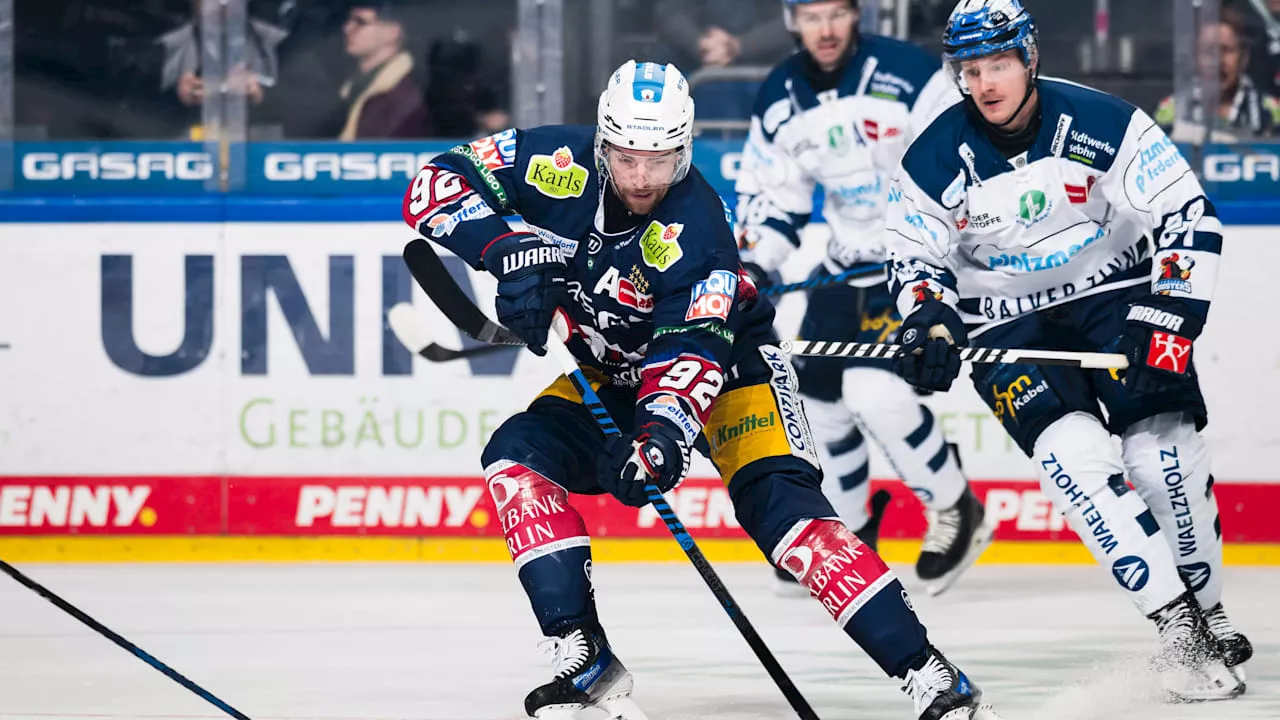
[
  {"x": 1044, "y": 214},
  {"x": 839, "y": 113}
]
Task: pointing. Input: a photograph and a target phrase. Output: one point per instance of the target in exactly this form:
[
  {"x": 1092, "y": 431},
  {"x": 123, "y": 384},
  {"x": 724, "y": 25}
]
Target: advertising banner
[
  {"x": 331, "y": 169},
  {"x": 460, "y": 507},
  {"x": 263, "y": 350}
]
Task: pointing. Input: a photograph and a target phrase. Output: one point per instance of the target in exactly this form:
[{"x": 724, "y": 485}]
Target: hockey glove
[
  {"x": 930, "y": 337},
  {"x": 654, "y": 453},
  {"x": 1156, "y": 339},
  {"x": 531, "y": 285}
]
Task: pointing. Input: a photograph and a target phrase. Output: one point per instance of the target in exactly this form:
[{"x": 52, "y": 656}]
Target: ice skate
[
  {"x": 1190, "y": 661},
  {"x": 941, "y": 692},
  {"x": 954, "y": 540},
  {"x": 587, "y": 675},
  {"x": 1235, "y": 647},
  {"x": 869, "y": 534}
]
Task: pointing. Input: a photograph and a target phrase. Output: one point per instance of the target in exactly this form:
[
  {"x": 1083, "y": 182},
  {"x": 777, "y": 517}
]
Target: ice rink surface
[{"x": 447, "y": 642}]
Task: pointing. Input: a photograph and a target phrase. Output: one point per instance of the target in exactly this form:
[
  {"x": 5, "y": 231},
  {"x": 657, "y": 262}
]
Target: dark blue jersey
[{"x": 662, "y": 306}]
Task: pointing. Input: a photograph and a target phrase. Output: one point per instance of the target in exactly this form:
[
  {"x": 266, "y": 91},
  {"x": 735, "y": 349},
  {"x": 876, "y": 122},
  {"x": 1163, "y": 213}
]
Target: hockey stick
[
  {"x": 435, "y": 280},
  {"x": 109, "y": 634},
  {"x": 1088, "y": 360},
  {"x": 410, "y": 332},
  {"x": 431, "y": 274},
  {"x": 845, "y": 276},
  {"x": 569, "y": 366}
]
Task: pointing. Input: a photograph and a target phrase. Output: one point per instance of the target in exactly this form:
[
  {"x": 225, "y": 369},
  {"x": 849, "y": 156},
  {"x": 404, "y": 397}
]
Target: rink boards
[
  {"x": 175, "y": 519},
  {"x": 208, "y": 391}
]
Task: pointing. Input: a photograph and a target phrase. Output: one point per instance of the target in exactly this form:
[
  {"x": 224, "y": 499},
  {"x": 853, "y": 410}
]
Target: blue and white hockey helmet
[
  {"x": 646, "y": 106},
  {"x": 789, "y": 6},
  {"x": 980, "y": 28}
]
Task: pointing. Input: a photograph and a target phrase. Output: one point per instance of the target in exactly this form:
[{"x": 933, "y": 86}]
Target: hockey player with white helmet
[
  {"x": 838, "y": 114},
  {"x": 1044, "y": 214},
  {"x": 636, "y": 248}
]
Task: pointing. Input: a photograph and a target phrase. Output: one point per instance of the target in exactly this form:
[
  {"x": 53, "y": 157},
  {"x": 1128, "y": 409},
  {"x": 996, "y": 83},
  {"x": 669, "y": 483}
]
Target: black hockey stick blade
[
  {"x": 410, "y": 331},
  {"x": 114, "y": 637},
  {"x": 439, "y": 353},
  {"x": 431, "y": 274}
]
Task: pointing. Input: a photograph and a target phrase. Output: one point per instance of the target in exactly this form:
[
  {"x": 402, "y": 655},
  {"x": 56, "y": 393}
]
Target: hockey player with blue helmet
[
  {"x": 1043, "y": 214},
  {"x": 838, "y": 114},
  {"x": 627, "y": 239}
]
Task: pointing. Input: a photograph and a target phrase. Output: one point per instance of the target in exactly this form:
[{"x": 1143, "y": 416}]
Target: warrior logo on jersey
[
  {"x": 1033, "y": 207},
  {"x": 660, "y": 245},
  {"x": 556, "y": 175},
  {"x": 1175, "y": 271}
]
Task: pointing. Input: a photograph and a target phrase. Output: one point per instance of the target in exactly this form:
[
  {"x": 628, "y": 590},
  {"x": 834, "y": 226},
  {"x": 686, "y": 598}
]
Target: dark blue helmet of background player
[
  {"x": 980, "y": 28},
  {"x": 789, "y": 5}
]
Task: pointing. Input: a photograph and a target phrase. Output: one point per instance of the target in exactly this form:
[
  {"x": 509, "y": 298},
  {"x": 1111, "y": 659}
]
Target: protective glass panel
[{"x": 1224, "y": 110}]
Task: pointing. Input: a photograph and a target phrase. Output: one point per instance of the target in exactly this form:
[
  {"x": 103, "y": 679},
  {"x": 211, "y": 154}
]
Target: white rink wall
[{"x": 256, "y": 408}]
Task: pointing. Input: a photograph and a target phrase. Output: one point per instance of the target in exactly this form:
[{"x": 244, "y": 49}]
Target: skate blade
[
  {"x": 1237, "y": 672},
  {"x": 981, "y": 541},
  {"x": 985, "y": 712},
  {"x": 567, "y": 711},
  {"x": 1204, "y": 688},
  {"x": 621, "y": 707}
]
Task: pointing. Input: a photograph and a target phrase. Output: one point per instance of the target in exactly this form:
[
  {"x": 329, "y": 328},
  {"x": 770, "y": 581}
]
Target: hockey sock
[
  {"x": 845, "y": 477},
  {"x": 842, "y": 451},
  {"x": 1168, "y": 461},
  {"x": 548, "y": 542},
  {"x": 1080, "y": 472},
  {"x": 857, "y": 589},
  {"x": 891, "y": 413}
]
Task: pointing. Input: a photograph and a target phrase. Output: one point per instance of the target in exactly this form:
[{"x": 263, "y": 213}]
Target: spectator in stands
[
  {"x": 381, "y": 99},
  {"x": 1263, "y": 22},
  {"x": 463, "y": 96},
  {"x": 701, "y": 34},
  {"x": 181, "y": 70},
  {"x": 1243, "y": 110},
  {"x": 715, "y": 33}
]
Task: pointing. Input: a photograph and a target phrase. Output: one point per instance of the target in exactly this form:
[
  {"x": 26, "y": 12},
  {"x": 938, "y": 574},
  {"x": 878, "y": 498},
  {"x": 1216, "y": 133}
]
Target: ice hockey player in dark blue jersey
[
  {"x": 637, "y": 248},
  {"x": 1043, "y": 214}
]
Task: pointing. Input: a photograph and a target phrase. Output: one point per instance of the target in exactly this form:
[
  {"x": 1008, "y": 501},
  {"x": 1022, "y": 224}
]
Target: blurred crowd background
[{"x": 352, "y": 70}]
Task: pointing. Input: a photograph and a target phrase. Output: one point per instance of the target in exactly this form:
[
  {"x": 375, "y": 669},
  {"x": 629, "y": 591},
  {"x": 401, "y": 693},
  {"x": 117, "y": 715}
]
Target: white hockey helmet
[{"x": 646, "y": 106}]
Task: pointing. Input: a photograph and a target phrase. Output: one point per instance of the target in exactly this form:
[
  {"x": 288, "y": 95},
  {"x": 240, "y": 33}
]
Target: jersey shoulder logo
[{"x": 556, "y": 175}]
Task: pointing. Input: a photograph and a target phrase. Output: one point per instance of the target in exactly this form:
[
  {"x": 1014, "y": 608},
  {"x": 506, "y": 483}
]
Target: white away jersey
[
  {"x": 1101, "y": 194},
  {"x": 848, "y": 140}
]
